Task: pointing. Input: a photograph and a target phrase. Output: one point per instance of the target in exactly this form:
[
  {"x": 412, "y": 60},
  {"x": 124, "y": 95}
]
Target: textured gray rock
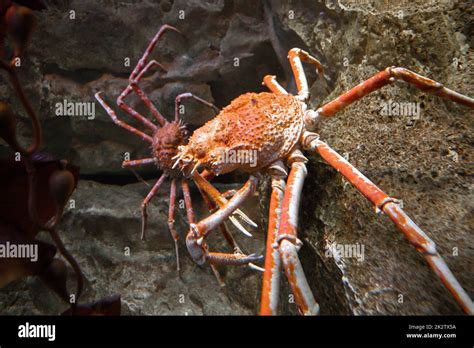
[{"x": 102, "y": 231}]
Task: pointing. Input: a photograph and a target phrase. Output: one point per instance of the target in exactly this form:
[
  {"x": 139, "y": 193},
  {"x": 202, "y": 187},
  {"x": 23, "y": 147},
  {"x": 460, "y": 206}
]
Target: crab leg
[
  {"x": 386, "y": 77},
  {"x": 134, "y": 86},
  {"x": 147, "y": 200},
  {"x": 120, "y": 123},
  {"x": 191, "y": 220},
  {"x": 182, "y": 96},
  {"x": 187, "y": 201},
  {"x": 216, "y": 196},
  {"x": 225, "y": 232},
  {"x": 150, "y": 48},
  {"x": 289, "y": 244},
  {"x": 171, "y": 227},
  {"x": 135, "y": 114},
  {"x": 195, "y": 239},
  {"x": 136, "y": 75},
  {"x": 296, "y": 56},
  {"x": 390, "y": 206},
  {"x": 271, "y": 276},
  {"x": 227, "y": 235},
  {"x": 226, "y": 259},
  {"x": 273, "y": 85},
  {"x": 139, "y": 162},
  {"x": 204, "y": 226}
]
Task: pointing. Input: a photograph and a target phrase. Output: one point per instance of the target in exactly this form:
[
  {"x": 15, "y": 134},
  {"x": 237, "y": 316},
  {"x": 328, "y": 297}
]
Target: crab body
[
  {"x": 165, "y": 146},
  {"x": 275, "y": 128},
  {"x": 252, "y": 132},
  {"x": 165, "y": 138}
]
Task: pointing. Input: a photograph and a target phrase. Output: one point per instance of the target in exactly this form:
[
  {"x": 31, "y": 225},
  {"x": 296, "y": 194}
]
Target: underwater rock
[
  {"x": 421, "y": 158},
  {"x": 102, "y": 231}
]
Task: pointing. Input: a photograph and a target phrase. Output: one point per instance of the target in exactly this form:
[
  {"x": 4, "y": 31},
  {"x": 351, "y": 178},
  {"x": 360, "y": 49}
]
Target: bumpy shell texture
[{"x": 251, "y": 133}]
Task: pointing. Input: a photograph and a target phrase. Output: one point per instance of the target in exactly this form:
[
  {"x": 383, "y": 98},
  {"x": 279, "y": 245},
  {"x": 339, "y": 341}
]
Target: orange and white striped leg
[
  {"x": 271, "y": 276},
  {"x": 206, "y": 187},
  {"x": 385, "y": 77},
  {"x": 296, "y": 56},
  {"x": 390, "y": 206},
  {"x": 273, "y": 85},
  {"x": 287, "y": 240},
  {"x": 195, "y": 239}
]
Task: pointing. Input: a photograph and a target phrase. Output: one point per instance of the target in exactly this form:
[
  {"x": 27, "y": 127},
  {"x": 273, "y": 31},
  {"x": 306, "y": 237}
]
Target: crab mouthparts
[{"x": 186, "y": 163}]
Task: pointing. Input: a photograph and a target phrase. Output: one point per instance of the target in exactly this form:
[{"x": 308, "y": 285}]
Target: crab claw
[
  {"x": 198, "y": 250},
  {"x": 256, "y": 268},
  {"x": 241, "y": 228}
]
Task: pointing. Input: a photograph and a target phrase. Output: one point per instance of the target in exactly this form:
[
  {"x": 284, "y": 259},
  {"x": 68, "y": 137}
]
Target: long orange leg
[
  {"x": 386, "y": 77},
  {"x": 187, "y": 201},
  {"x": 195, "y": 239},
  {"x": 191, "y": 220},
  {"x": 287, "y": 239},
  {"x": 223, "y": 228},
  {"x": 211, "y": 206},
  {"x": 389, "y": 206},
  {"x": 227, "y": 235},
  {"x": 221, "y": 201},
  {"x": 273, "y": 85},
  {"x": 171, "y": 227},
  {"x": 296, "y": 56},
  {"x": 271, "y": 276},
  {"x": 147, "y": 200}
]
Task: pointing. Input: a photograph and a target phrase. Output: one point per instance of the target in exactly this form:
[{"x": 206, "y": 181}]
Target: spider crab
[
  {"x": 164, "y": 142},
  {"x": 278, "y": 126}
]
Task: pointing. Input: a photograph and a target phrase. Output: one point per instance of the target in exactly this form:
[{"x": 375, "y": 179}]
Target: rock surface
[
  {"x": 102, "y": 231},
  {"x": 228, "y": 47}
]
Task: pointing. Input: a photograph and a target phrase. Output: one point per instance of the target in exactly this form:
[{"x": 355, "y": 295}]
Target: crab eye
[
  {"x": 200, "y": 153},
  {"x": 172, "y": 141}
]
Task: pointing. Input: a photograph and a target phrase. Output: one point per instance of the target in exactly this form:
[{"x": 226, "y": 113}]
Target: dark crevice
[
  {"x": 80, "y": 76},
  {"x": 127, "y": 179}
]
